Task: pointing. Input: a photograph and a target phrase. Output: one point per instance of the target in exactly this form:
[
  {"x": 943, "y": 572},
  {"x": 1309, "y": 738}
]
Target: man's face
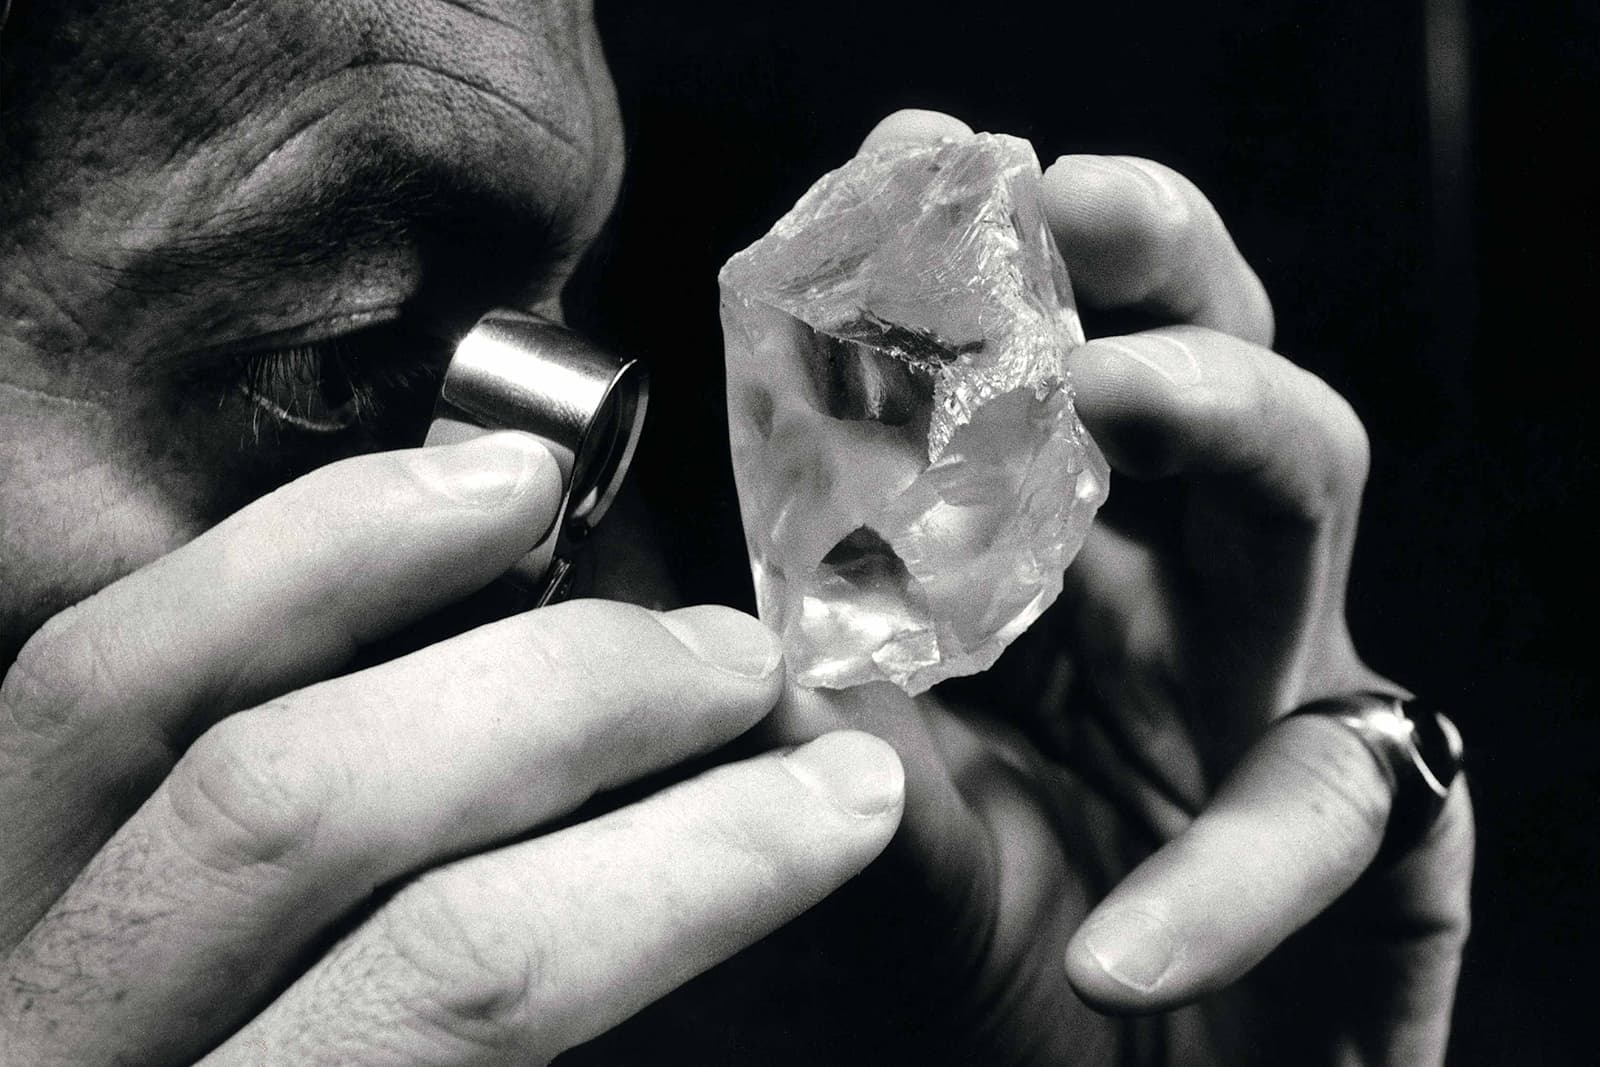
[{"x": 231, "y": 232}]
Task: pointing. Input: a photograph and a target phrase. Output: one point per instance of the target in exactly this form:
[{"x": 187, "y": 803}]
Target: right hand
[
  {"x": 1113, "y": 818},
  {"x": 212, "y": 842}
]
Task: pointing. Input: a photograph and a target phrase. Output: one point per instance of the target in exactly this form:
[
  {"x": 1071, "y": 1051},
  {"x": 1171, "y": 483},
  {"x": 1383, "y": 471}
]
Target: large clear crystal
[{"x": 913, "y": 477}]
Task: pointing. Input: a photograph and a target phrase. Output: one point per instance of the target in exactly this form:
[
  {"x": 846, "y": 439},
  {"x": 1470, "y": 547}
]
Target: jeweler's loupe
[{"x": 514, "y": 371}]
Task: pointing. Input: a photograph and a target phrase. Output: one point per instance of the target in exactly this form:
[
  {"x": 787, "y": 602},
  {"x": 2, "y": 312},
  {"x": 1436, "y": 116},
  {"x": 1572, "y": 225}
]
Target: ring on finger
[{"x": 1419, "y": 754}]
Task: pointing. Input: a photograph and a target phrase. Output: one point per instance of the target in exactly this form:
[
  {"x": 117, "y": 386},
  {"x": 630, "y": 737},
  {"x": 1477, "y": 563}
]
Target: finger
[
  {"x": 516, "y": 955},
  {"x": 1274, "y": 462},
  {"x": 1287, "y": 835},
  {"x": 936, "y": 811},
  {"x": 280, "y": 819},
  {"x": 1137, "y": 234},
  {"x": 106, "y": 693},
  {"x": 1121, "y": 605},
  {"x": 1196, "y": 403},
  {"x": 915, "y": 126},
  {"x": 1133, "y": 232}
]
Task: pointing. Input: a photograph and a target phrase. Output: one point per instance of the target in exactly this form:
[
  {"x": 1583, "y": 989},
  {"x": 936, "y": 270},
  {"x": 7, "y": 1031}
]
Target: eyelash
[{"x": 325, "y": 388}]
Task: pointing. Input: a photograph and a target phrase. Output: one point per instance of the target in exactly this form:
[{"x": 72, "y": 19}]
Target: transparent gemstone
[{"x": 912, "y": 474}]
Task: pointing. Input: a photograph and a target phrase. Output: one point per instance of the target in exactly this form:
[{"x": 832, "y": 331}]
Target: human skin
[
  {"x": 193, "y": 179},
  {"x": 187, "y": 182},
  {"x": 183, "y": 177},
  {"x": 1124, "y": 789}
]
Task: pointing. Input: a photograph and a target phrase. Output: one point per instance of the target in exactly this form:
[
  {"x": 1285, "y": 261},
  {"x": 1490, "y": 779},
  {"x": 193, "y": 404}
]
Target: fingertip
[
  {"x": 1127, "y": 391},
  {"x": 541, "y": 477},
  {"x": 726, "y": 639},
  {"x": 853, "y": 769},
  {"x": 1135, "y": 233},
  {"x": 915, "y": 126},
  {"x": 1116, "y": 230},
  {"x": 1079, "y": 178},
  {"x": 1288, "y": 832},
  {"x": 498, "y": 469},
  {"x": 1125, "y": 961}
]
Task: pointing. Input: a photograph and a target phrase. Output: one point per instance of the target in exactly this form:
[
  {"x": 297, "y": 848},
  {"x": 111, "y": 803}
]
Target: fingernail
[
  {"x": 488, "y": 469},
  {"x": 728, "y": 640},
  {"x": 1153, "y": 177},
  {"x": 855, "y": 770},
  {"x": 915, "y": 125},
  {"x": 1169, "y": 357},
  {"x": 1122, "y": 172},
  {"x": 1134, "y": 948},
  {"x": 1093, "y": 164}
]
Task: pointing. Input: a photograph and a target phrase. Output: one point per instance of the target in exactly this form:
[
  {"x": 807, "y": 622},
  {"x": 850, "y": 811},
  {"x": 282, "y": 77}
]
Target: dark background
[{"x": 1410, "y": 181}]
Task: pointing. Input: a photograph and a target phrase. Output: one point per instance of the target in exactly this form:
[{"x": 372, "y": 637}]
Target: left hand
[
  {"x": 216, "y": 838},
  {"x": 1102, "y": 738}
]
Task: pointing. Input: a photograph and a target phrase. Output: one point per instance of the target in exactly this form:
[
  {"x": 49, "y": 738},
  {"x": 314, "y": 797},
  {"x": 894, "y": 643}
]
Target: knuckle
[
  {"x": 57, "y": 719},
  {"x": 587, "y": 644},
  {"x": 463, "y": 975},
  {"x": 1117, "y": 634},
  {"x": 1343, "y": 446},
  {"x": 46, "y": 693},
  {"x": 1308, "y": 441},
  {"x": 570, "y": 648},
  {"x": 245, "y": 796},
  {"x": 1352, "y": 446},
  {"x": 1262, "y": 312},
  {"x": 763, "y": 857},
  {"x": 1247, "y": 310}
]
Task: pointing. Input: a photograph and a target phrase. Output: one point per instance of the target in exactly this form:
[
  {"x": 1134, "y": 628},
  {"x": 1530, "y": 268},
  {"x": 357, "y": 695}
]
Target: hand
[
  {"x": 215, "y": 843},
  {"x": 1138, "y": 717}
]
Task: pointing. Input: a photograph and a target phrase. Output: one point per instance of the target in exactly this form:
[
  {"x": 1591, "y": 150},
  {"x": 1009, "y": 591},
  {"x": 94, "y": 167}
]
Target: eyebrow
[
  {"x": 322, "y": 217},
  {"x": 259, "y": 242}
]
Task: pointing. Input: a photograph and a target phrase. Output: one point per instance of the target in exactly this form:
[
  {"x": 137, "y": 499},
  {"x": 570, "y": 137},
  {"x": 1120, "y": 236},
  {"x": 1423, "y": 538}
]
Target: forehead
[
  {"x": 146, "y": 136},
  {"x": 153, "y": 78}
]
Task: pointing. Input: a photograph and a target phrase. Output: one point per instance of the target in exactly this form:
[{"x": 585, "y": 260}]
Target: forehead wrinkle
[
  {"x": 529, "y": 64},
  {"x": 424, "y": 113},
  {"x": 210, "y": 67},
  {"x": 311, "y": 221},
  {"x": 450, "y": 150},
  {"x": 482, "y": 86},
  {"x": 320, "y": 217},
  {"x": 475, "y": 11},
  {"x": 345, "y": 158}
]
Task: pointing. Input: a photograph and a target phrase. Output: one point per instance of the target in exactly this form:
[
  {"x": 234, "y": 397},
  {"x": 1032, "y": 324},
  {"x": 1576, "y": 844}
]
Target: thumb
[{"x": 1288, "y": 834}]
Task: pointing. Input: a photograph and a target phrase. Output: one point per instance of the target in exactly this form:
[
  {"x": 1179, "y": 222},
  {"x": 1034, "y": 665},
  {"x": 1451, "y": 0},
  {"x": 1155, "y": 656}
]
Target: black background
[{"x": 1434, "y": 270}]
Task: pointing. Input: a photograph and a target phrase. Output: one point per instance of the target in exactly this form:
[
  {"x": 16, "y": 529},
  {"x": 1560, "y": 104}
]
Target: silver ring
[{"x": 1419, "y": 756}]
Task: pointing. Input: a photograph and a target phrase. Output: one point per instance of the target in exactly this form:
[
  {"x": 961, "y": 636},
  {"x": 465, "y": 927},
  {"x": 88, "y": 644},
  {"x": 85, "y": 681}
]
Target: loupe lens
[{"x": 607, "y": 448}]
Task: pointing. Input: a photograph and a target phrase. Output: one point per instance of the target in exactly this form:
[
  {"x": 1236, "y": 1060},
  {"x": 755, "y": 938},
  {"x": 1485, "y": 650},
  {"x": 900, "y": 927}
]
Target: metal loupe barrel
[{"x": 518, "y": 372}]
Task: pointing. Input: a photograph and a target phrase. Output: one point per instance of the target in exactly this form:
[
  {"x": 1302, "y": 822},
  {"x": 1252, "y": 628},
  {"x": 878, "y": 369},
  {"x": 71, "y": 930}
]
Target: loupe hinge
[{"x": 556, "y": 583}]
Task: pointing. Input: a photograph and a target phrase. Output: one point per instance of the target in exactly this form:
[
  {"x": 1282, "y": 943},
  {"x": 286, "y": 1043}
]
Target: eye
[
  {"x": 307, "y": 387},
  {"x": 378, "y": 380}
]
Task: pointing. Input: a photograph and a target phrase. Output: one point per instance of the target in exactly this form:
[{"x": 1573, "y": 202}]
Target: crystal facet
[{"x": 913, "y": 477}]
